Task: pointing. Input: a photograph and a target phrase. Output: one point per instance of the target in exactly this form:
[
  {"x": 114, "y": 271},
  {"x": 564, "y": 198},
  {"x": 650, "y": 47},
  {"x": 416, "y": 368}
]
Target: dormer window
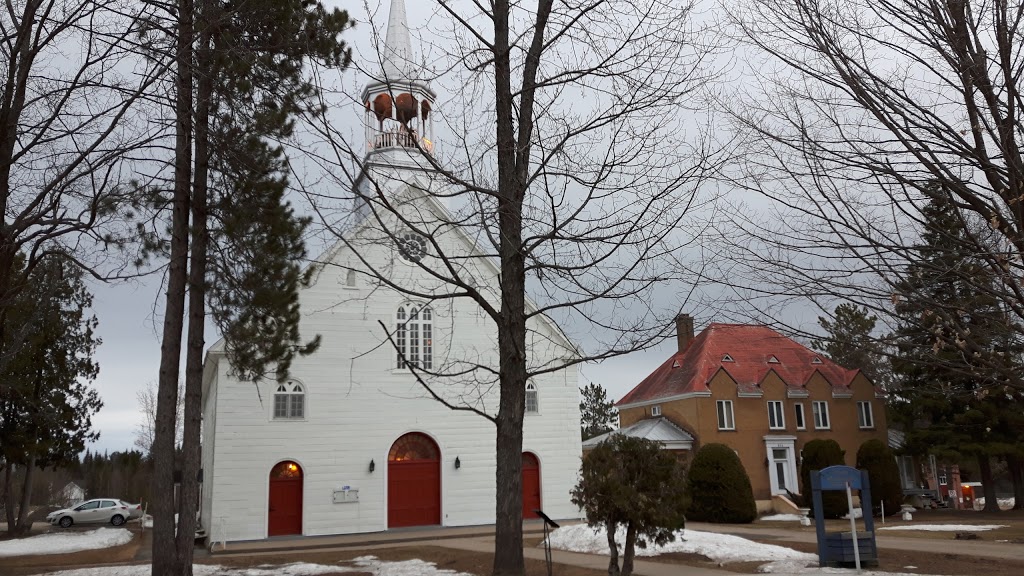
[
  {"x": 773, "y": 360},
  {"x": 675, "y": 363},
  {"x": 727, "y": 358},
  {"x": 816, "y": 360}
]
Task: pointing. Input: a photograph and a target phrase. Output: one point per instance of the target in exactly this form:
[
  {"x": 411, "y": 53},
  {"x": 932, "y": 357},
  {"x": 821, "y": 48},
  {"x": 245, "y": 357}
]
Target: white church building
[{"x": 353, "y": 442}]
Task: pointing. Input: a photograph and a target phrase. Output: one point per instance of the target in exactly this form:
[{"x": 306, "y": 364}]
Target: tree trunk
[
  {"x": 164, "y": 549},
  {"x": 9, "y": 497},
  {"x": 23, "y": 526},
  {"x": 629, "y": 551},
  {"x": 1016, "y": 466},
  {"x": 508, "y": 541},
  {"x": 613, "y": 549},
  {"x": 191, "y": 425},
  {"x": 987, "y": 483}
]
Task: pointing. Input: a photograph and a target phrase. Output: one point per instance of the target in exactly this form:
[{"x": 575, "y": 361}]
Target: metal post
[
  {"x": 547, "y": 541},
  {"x": 853, "y": 525}
]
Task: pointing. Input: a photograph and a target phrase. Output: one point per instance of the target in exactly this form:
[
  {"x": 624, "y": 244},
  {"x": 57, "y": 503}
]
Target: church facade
[{"x": 355, "y": 441}]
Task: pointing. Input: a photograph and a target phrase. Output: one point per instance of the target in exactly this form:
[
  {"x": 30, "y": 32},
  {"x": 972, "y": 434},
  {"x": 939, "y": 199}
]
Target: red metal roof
[{"x": 750, "y": 349}]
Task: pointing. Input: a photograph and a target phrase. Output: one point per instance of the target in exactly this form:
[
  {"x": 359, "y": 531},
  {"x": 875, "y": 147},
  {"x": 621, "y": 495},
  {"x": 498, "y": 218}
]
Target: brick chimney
[{"x": 684, "y": 330}]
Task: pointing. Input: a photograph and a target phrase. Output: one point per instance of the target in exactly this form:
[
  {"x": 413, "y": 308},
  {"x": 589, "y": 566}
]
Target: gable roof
[
  {"x": 749, "y": 349},
  {"x": 659, "y": 429}
]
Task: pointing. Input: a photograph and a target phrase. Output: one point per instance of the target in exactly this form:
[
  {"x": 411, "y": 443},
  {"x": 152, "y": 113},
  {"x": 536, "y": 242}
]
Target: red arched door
[
  {"x": 285, "y": 501},
  {"x": 414, "y": 482},
  {"x": 531, "y": 485}
]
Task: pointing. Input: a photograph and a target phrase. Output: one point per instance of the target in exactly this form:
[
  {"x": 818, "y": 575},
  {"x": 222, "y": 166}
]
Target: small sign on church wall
[{"x": 346, "y": 494}]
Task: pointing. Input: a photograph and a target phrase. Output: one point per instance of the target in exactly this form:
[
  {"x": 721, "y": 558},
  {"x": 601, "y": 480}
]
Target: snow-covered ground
[
  {"x": 718, "y": 547},
  {"x": 362, "y": 564},
  {"x": 64, "y": 542},
  {"x": 782, "y": 518},
  {"x": 945, "y": 527},
  {"x": 721, "y": 548},
  {"x": 1004, "y": 503}
]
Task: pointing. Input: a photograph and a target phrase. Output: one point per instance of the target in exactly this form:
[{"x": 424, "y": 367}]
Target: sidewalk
[{"x": 393, "y": 537}]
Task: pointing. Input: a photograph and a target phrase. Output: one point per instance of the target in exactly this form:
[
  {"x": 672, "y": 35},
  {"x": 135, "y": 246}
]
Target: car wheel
[
  {"x": 66, "y": 522},
  {"x": 117, "y": 520}
]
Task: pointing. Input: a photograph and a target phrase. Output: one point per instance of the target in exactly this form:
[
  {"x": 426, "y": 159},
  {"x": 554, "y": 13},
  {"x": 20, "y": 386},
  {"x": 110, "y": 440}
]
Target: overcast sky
[{"x": 129, "y": 317}]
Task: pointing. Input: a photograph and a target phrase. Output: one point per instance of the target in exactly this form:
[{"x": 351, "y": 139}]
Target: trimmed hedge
[
  {"x": 875, "y": 457},
  {"x": 719, "y": 487},
  {"x": 818, "y": 455}
]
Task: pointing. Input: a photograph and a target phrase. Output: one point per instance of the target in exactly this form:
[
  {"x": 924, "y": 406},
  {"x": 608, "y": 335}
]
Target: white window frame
[
  {"x": 414, "y": 337},
  {"x": 534, "y": 396},
  {"x": 289, "y": 401},
  {"x": 800, "y": 416},
  {"x": 821, "y": 417},
  {"x": 726, "y": 415},
  {"x": 656, "y": 410},
  {"x": 865, "y": 415},
  {"x": 776, "y": 412}
]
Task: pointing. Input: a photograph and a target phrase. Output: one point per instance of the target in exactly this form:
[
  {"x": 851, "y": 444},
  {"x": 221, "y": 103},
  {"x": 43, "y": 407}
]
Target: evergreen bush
[
  {"x": 818, "y": 455},
  {"x": 875, "y": 457},
  {"x": 719, "y": 487}
]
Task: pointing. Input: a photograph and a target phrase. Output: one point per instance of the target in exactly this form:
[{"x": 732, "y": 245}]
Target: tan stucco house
[{"x": 761, "y": 393}]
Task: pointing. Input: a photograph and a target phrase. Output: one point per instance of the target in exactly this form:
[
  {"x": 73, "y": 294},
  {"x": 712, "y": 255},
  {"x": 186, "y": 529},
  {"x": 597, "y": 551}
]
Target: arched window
[
  {"x": 532, "y": 403},
  {"x": 414, "y": 336},
  {"x": 350, "y": 279},
  {"x": 289, "y": 400}
]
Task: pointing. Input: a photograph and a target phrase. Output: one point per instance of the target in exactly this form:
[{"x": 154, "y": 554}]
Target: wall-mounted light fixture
[
  {"x": 372, "y": 466},
  {"x": 458, "y": 463}
]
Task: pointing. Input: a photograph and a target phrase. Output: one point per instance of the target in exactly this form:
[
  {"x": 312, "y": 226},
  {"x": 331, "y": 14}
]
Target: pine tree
[
  {"x": 949, "y": 336},
  {"x": 47, "y": 401},
  {"x": 597, "y": 413},
  {"x": 245, "y": 243},
  {"x": 848, "y": 341}
]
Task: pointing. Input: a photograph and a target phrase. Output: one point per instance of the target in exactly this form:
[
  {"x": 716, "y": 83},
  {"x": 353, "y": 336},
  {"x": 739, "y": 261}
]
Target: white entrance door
[{"x": 782, "y": 464}]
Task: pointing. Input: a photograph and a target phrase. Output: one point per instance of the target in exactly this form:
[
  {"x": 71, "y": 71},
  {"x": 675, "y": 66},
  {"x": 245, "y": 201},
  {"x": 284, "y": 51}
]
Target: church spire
[
  {"x": 397, "y": 57},
  {"x": 399, "y": 106}
]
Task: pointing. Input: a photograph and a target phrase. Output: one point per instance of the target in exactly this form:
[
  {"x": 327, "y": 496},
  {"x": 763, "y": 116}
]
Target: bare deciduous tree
[
  {"x": 69, "y": 130},
  {"x": 854, "y": 115},
  {"x": 575, "y": 173},
  {"x": 145, "y": 431}
]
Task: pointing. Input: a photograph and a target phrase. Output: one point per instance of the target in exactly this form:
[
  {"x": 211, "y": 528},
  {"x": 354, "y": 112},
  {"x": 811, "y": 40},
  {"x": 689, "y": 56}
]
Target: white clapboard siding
[{"x": 357, "y": 405}]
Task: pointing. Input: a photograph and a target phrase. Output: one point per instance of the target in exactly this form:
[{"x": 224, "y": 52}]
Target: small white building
[
  {"x": 353, "y": 443},
  {"x": 69, "y": 495}
]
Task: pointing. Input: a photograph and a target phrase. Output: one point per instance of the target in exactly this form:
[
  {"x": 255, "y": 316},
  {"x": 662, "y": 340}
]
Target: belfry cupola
[{"x": 398, "y": 105}]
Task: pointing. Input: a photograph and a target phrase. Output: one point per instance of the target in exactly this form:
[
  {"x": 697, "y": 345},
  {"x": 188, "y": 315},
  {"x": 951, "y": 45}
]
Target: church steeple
[
  {"x": 397, "y": 59},
  {"x": 399, "y": 104}
]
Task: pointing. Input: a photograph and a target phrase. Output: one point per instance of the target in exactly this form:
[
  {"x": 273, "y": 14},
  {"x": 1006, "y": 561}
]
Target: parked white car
[
  {"x": 97, "y": 510},
  {"x": 134, "y": 509}
]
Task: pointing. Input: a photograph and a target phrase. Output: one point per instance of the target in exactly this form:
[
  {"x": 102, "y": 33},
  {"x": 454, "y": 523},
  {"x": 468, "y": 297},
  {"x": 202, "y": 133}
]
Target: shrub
[
  {"x": 818, "y": 455},
  {"x": 719, "y": 487},
  {"x": 634, "y": 483},
  {"x": 875, "y": 457}
]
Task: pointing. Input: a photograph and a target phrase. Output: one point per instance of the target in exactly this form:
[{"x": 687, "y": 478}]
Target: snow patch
[
  {"x": 945, "y": 527},
  {"x": 857, "y": 513},
  {"x": 717, "y": 547},
  {"x": 65, "y": 542},
  {"x": 782, "y": 518}
]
